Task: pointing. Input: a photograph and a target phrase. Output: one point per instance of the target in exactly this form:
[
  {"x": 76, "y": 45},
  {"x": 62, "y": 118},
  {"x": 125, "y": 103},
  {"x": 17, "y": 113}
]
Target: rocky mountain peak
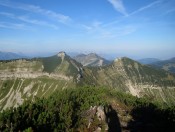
[
  {"x": 92, "y": 55},
  {"x": 81, "y": 55},
  {"x": 61, "y": 54},
  {"x": 122, "y": 60},
  {"x": 117, "y": 59},
  {"x": 91, "y": 59}
]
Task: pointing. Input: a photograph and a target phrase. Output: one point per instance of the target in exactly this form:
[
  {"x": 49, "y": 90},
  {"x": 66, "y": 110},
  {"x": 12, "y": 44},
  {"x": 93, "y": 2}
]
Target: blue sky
[{"x": 136, "y": 28}]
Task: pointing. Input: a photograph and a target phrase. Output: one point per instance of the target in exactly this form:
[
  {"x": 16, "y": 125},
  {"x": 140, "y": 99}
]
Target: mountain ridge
[
  {"x": 139, "y": 80},
  {"x": 39, "y": 77},
  {"x": 91, "y": 59},
  {"x": 26, "y": 78}
]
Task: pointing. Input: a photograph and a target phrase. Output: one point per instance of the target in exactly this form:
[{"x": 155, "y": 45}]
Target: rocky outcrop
[
  {"x": 106, "y": 118},
  {"x": 61, "y": 54},
  {"x": 101, "y": 114},
  {"x": 96, "y": 119},
  {"x": 28, "y": 75}
]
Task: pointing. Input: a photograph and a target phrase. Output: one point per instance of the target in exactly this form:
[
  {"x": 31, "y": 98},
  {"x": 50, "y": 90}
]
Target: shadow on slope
[
  {"x": 151, "y": 119},
  {"x": 112, "y": 120}
]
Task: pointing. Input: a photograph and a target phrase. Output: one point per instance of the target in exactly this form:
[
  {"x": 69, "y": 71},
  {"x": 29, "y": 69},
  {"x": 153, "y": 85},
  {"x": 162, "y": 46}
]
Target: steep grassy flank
[
  {"x": 145, "y": 74},
  {"x": 50, "y": 63},
  {"x": 67, "y": 66},
  {"x": 15, "y": 91},
  {"x": 73, "y": 67}
]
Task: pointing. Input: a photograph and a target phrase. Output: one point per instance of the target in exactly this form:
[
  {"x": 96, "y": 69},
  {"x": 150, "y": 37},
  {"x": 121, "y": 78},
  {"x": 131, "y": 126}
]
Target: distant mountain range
[
  {"x": 10, "y": 55},
  {"x": 94, "y": 60},
  {"x": 148, "y": 60},
  {"x": 91, "y": 59},
  {"x": 23, "y": 79},
  {"x": 168, "y": 65}
]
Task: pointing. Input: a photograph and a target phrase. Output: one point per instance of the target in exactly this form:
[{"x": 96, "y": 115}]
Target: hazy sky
[{"x": 144, "y": 28}]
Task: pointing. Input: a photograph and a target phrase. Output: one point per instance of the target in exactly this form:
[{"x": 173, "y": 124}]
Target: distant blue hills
[{"x": 11, "y": 55}]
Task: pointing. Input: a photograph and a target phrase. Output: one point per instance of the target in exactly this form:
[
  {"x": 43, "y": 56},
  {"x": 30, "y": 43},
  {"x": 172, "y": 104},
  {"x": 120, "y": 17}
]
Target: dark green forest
[{"x": 64, "y": 109}]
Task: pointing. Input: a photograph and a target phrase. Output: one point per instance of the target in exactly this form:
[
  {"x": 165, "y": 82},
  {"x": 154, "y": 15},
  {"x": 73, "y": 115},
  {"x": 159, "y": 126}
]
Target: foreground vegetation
[{"x": 63, "y": 111}]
